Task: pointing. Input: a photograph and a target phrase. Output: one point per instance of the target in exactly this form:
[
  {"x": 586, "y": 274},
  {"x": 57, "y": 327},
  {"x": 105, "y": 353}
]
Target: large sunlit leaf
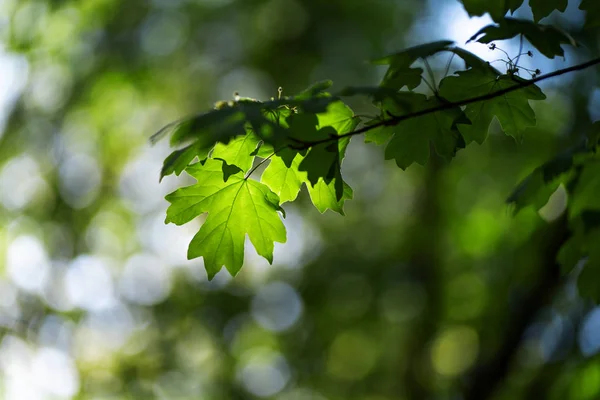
[
  {"x": 235, "y": 208},
  {"x": 545, "y": 38},
  {"x": 511, "y": 109}
]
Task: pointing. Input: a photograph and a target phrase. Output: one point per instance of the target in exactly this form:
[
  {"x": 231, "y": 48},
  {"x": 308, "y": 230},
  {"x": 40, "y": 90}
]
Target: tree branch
[{"x": 450, "y": 105}]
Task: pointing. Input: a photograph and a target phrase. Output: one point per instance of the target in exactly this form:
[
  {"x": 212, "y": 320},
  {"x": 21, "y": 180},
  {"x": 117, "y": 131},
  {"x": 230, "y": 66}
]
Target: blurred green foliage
[{"x": 422, "y": 291}]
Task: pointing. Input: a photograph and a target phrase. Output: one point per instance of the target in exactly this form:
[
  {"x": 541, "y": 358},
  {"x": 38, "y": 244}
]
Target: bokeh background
[{"x": 428, "y": 288}]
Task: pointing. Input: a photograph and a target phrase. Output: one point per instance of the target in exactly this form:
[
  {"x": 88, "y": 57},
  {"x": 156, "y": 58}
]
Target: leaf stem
[
  {"x": 264, "y": 160},
  {"x": 520, "y": 51},
  {"x": 431, "y": 76},
  {"x": 448, "y": 64}
]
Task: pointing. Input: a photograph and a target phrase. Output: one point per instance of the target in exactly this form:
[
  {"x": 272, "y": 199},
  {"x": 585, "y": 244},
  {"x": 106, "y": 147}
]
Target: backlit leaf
[
  {"x": 238, "y": 151},
  {"x": 235, "y": 208},
  {"x": 283, "y": 180},
  {"x": 325, "y": 160}
]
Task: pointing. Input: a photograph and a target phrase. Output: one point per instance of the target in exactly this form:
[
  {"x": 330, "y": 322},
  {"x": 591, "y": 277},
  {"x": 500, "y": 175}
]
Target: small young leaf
[
  {"x": 235, "y": 208},
  {"x": 399, "y": 74},
  {"x": 547, "y": 39},
  {"x": 324, "y": 195},
  {"x": 512, "y": 109},
  {"x": 592, "y": 8}
]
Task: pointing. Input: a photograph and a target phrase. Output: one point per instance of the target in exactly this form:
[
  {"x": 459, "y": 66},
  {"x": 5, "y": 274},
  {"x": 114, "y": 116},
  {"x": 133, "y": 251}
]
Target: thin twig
[{"x": 429, "y": 85}]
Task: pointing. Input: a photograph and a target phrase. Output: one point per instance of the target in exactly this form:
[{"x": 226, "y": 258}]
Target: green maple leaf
[
  {"x": 543, "y": 8},
  {"x": 547, "y": 39},
  {"x": 178, "y": 160},
  {"x": 235, "y": 208},
  {"x": 238, "y": 151},
  {"x": 286, "y": 181},
  {"x": 496, "y": 8},
  {"x": 511, "y": 109},
  {"x": 319, "y": 170},
  {"x": 325, "y": 160},
  {"x": 400, "y": 74},
  {"x": 234, "y": 119},
  {"x": 592, "y": 8},
  {"x": 410, "y": 139},
  {"x": 324, "y": 196}
]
